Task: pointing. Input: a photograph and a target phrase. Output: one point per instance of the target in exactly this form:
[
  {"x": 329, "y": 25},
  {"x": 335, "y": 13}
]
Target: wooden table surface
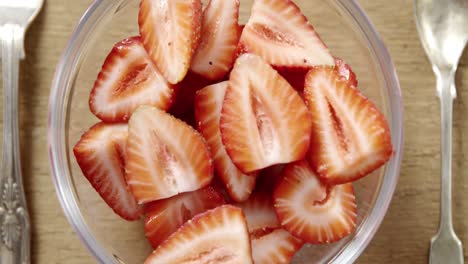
[{"x": 413, "y": 216}]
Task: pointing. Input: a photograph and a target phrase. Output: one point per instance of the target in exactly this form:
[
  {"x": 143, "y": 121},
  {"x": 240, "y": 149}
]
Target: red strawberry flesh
[
  {"x": 208, "y": 104},
  {"x": 164, "y": 217},
  {"x": 350, "y": 136},
  {"x": 165, "y": 156},
  {"x": 264, "y": 120},
  {"x": 128, "y": 79},
  {"x": 100, "y": 154},
  {"x": 217, "y": 236},
  {"x": 312, "y": 211}
]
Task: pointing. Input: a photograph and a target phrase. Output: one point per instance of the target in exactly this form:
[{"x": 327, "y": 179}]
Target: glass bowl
[{"x": 343, "y": 26}]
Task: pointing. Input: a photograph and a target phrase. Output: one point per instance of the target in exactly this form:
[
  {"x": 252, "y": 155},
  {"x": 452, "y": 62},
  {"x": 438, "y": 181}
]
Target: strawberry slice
[
  {"x": 270, "y": 242},
  {"x": 208, "y": 104},
  {"x": 260, "y": 215},
  {"x": 264, "y": 120},
  {"x": 127, "y": 80},
  {"x": 350, "y": 137},
  {"x": 220, "y": 35},
  {"x": 100, "y": 155},
  {"x": 278, "y": 32},
  {"x": 164, "y": 217},
  {"x": 170, "y": 31},
  {"x": 216, "y": 236},
  {"x": 279, "y": 246},
  {"x": 345, "y": 71},
  {"x": 310, "y": 210},
  {"x": 165, "y": 156}
]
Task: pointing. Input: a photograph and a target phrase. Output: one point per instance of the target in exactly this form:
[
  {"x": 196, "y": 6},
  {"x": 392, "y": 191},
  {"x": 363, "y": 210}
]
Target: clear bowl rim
[{"x": 57, "y": 144}]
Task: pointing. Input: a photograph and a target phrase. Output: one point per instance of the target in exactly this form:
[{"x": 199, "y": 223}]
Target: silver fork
[
  {"x": 443, "y": 29},
  {"x": 15, "y": 17}
]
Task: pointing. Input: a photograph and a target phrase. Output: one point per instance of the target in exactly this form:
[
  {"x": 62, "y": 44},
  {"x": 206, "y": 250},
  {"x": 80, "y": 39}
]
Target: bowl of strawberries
[{"x": 225, "y": 131}]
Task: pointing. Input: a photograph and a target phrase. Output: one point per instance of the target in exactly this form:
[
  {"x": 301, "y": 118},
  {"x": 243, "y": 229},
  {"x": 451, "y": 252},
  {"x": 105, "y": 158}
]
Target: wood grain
[{"x": 413, "y": 216}]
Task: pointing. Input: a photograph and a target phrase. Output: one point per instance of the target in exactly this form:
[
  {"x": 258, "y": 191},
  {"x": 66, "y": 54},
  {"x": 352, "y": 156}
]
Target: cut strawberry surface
[
  {"x": 165, "y": 156},
  {"x": 208, "y": 104},
  {"x": 100, "y": 154},
  {"x": 310, "y": 210},
  {"x": 264, "y": 120},
  {"x": 261, "y": 218},
  {"x": 345, "y": 71},
  {"x": 128, "y": 79},
  {"x": 279, "y": 246},
  {"x": 217, "y": 236},
  {"x": 170, "y": 31},
  {"x": 350, "y": 137},
  {"x": 164, "y": 217},
  {"x": 220, "y": 34},
  {"x": 270, "y": 242},
  {"x": 279, "y": 33}
]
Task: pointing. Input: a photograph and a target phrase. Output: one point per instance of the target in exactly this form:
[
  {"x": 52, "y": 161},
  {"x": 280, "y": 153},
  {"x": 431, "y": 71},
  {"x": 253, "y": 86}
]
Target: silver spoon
[
  {"x": 15, "y": 17},
  {"x": 443, "y": 29}
]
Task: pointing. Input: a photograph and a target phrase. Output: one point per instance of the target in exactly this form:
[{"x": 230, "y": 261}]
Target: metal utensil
[
  {"x": 443, "y": 29},
  {"x": 15, "y": 17}
]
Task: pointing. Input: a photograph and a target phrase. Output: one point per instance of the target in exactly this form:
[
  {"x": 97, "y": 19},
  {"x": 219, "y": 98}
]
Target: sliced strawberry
[
  {"x": 279, "y": 246},
  {"x": 208, "y": 104},
  {"x": 165, "y": 156},
  {"x": 279, "y": 33},
  {"x": 170, "y": 31},
  {"x": 127, "y": 80},
  {"x": 264, "y": 120},
  {"x": 260, "y": 215},
  {"x": 310, "y": 210},
  {"x": 100, "y": 155},
  {"x": 345, "y": 71},
  {"x": 296, "y": 76},
  {"x": 350, "y": 137},
  {"x": 270, "y": 242},
  {"x": 164, "y": 217},
  {"x": 220, "y": 35},
  {"x": 216, "y": 236}
]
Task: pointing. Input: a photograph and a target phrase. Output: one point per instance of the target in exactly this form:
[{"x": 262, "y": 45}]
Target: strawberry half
[
  {"x": 264, "y": 120},
  {"x": 312, "y": 211},
  {"x": 345, "y": 71},
  {"x": 208, "y": 104},
  {"x": 270, "y": 242},
  {"x": 216, "y": 236},
  {"x": 220, "y": 35},
  {"x": 164, "y": 217},
  {"x": 170, "y": 31},
  {"x": 100, "y": 154},
  {"x": 165, "y": 156},
  {"x": 278, "y": 32},
  {"x": 350, "y": 137},
  {"x": 128, "y": 79},
  {"x": 279, "y": 246}
]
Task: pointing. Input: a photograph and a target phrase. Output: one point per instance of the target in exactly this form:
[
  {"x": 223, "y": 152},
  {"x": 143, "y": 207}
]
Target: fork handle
[
  {"x": 14, "y": 219},
  {"x": 447, "y": 93}
]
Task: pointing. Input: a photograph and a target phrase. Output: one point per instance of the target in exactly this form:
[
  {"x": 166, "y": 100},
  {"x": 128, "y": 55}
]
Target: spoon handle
[
  {"x": 447, "y": 93},
  {"x": 14, "y": 219}
]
